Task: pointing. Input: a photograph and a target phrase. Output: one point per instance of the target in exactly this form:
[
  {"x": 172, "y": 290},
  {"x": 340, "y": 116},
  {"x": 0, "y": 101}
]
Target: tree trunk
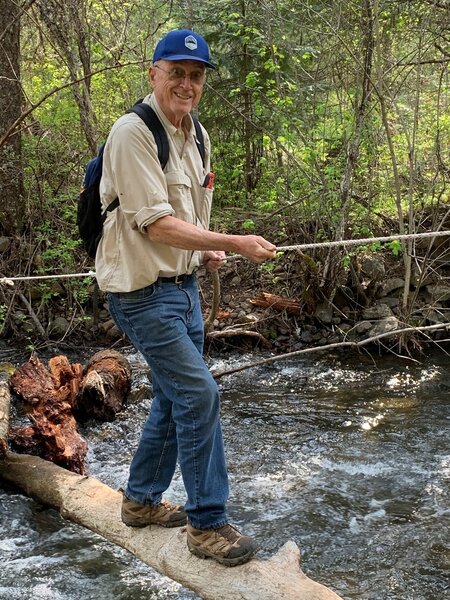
[
  {"x": 86, "y": 501},
  {"x": 333, "y": 262},
  {"x": 11, "y": 175},
  {"x": 4, "y": 418},
  {"x": 67, "y": 27}
]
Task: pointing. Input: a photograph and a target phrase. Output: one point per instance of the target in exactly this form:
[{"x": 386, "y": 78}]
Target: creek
[{"x": 346, "y": 455}]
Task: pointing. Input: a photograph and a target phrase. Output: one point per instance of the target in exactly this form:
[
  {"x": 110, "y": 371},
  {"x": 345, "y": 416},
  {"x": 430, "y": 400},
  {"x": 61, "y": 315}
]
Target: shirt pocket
[
  {"x": 180, "y": 197},
  {"x": 202, "y": 206}
]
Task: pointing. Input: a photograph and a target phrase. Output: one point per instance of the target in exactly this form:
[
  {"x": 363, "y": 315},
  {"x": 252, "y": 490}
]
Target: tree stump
[
  {"x": 53, "y": 398},
  {"x": 48, "y": 397}
]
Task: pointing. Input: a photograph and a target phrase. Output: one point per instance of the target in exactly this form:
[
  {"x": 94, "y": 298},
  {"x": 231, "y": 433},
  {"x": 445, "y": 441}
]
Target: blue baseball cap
[{"x": 183, "y": 44}]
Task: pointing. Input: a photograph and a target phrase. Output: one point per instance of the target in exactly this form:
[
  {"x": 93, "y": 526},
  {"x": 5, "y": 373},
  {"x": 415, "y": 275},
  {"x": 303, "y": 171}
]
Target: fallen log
[
  {"x": 228, "y": 333},
  {"x": 105, "y": 386},
  {"x": 48, "y": 396},
  {"x": 266, "y": 300},
  {"x": 327, "y": 347},
  {"x": 90, "y": 503},
  {"x": 54, "y": 399}
]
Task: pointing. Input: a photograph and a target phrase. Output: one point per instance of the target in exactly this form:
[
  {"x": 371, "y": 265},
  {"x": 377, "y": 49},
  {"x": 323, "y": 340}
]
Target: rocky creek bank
[
  {"x": 290, "y": 310},
  {"x": 291, "y": 304}
]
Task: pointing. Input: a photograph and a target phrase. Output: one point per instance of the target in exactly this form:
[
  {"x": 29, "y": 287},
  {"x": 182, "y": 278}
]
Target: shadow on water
[{"x": 347, "y": 457}]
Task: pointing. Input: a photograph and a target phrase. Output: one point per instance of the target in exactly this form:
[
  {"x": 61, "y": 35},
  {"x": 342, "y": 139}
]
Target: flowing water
[{"x": 345, "y": 455}]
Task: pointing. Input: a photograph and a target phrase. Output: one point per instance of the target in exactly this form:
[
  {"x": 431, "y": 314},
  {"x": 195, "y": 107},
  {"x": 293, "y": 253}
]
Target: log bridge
[{"x": 90, "y": 503}]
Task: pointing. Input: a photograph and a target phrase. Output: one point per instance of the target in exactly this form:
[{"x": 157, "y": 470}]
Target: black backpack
[{"x": 90, "y": 217}]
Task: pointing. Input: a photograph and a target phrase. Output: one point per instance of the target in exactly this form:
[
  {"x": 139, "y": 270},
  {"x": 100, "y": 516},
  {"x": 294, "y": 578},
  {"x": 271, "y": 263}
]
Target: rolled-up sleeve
[
  {"x": 127, "y": 259},
  {"x": 136, "y": 177}
]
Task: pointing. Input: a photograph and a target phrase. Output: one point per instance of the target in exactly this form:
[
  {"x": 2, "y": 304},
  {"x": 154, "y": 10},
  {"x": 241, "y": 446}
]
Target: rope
[
  {"x": 10, "y": 280},
  {"x": 356, "y": 242}
]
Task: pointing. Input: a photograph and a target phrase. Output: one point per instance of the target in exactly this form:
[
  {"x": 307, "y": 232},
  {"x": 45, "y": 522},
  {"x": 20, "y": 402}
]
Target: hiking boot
[
  {"x": 224, "y": 544},
  {"x": 165, "y": 514}
]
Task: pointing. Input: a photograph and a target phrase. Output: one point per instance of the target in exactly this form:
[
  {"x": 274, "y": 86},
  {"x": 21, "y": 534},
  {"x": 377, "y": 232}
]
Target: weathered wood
[
  {"x": 215, "y": 279},
  {"x": 48, "y": 397},
  {"x": 266, "y": 300},
  {"x": 86, "y": 501},
  {"x": 56, "y": 397},
  {"x": 228, "y": 333},
  {"x": 4, "y": 417},
  {"x": 27, "y": 440},
  {"x": 105, "y": 386}
]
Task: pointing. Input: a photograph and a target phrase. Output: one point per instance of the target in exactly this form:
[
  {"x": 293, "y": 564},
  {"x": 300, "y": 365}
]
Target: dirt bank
[{"x": 296, "y": 301}]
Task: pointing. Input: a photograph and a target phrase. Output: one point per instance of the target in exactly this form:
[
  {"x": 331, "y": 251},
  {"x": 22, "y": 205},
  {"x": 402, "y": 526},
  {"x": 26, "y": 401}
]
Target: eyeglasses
[{"x": 177, "y": 74}]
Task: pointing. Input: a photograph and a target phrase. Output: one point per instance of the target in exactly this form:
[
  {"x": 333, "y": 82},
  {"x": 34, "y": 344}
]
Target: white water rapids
[{"x": 345, "y": 455}]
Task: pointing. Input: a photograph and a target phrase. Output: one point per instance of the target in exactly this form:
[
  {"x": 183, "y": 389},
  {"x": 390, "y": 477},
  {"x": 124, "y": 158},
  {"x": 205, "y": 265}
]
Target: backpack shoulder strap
[
  {"x": 150, "y": 118},
  {"x": 200, "y": 138},
  {"x": 152, "y": 121}
]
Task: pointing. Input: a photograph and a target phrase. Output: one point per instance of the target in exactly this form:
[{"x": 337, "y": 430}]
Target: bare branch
[
  {"x": 327, "y": 347},
  {"x": 13, "y": 128}
]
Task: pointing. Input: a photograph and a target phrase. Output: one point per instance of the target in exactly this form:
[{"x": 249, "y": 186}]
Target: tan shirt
[{"x": 126, "y": 259}]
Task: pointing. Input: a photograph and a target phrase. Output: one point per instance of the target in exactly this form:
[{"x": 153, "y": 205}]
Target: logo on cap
[{"x": 190, "y": 42}]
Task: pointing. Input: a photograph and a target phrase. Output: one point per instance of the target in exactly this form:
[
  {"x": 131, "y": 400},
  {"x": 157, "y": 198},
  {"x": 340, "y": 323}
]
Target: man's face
[{"x": 178, "y": 86}]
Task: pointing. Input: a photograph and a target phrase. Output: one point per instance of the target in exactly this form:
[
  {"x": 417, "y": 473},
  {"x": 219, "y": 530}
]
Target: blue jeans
[{"x": 164, "y": 322}]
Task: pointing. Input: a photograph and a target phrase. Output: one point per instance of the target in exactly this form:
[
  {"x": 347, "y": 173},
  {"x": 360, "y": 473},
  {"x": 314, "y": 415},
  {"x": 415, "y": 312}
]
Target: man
[{"x": 146, "y": 261}]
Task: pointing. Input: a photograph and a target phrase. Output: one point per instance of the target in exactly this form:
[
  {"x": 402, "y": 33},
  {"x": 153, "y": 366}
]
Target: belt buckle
[{"x": 178, "y": 279}]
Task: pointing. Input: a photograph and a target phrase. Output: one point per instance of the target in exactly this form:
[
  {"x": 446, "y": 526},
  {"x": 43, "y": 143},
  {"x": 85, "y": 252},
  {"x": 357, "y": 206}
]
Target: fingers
[
  {"x": 267, "y": 245},
  {"x": 213, "y": 266},
  {"x": 254, "y": 247},
  {"x": 258, "y": 249},
  {"x": 219, "y": 256},
  {"x": 214, "y": 260}
]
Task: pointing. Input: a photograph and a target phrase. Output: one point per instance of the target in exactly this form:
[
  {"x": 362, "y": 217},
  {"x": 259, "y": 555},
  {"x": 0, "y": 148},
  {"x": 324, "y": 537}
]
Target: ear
[{"x": 151, "y": 74}]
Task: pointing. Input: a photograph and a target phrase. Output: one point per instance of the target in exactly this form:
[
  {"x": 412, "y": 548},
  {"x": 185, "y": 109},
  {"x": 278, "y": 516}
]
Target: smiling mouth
[{"x": 182, "y": 96}]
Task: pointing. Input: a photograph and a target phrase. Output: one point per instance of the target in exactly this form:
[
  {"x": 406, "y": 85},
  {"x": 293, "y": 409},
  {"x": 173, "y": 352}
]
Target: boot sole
[{"x": 227, "y": 562}]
